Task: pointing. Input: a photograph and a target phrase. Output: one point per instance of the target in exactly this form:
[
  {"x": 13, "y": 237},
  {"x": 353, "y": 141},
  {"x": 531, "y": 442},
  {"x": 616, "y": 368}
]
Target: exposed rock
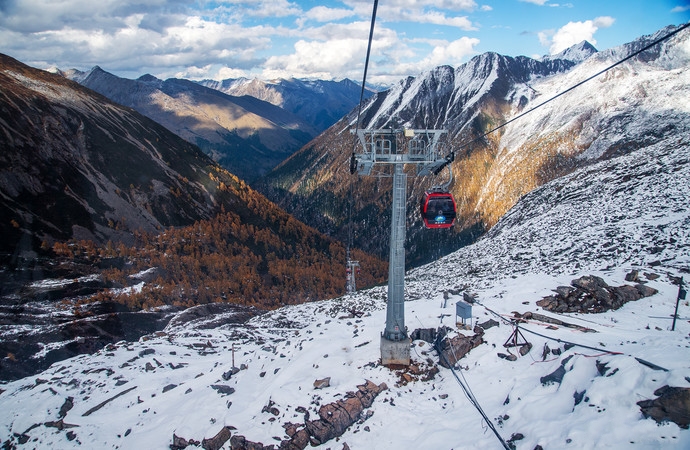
[
  {"x": 579, "y": 396},
  {"x": 589, "y": 283},
  {"x": 69, "y": 403},
  {"x": 217, "y": 441},
  {"x": 564, "y": 291},
  {"x": 452, "y": 350},
  {"x": 180, "y": 443},
  {"x": 323, "y": 383},
  {"x": 238, "y": 442},
  {"x": 488, "y": 324},
  {"x": 591, "y": 294},
  {"x": 554, "y": 377},
  {"x": 645, "y": 291},
  {"x": 672, "y": 403},
  {"x": 557, "y": 375},
  {"x": 524, "y": 349},
  {"x": 424, "y": 334},
  {"x": 270, "y": 408},
  {"x": 633, "y": 276},
  {"x": 335, "y": 418},
  {"x": 223, "y": 389}
]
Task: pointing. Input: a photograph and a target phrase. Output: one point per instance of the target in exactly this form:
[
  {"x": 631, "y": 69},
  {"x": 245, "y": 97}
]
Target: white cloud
[
  {"x": 437, "y": 12},
  {"x": 226, "y": 72},
  {"x": 536, "y": 2},
  {"x": 391, "y": 13},
  {"x": 334, "y": 51},
  {"x": 274, "y": 8},
  {"x": 453, "y": 5},
  {"x": 573, "y": 33},
  {"x": 678, "y": 9},
  {"x": 324, "y": 14},
  {"x": 486, "y": 8},
  {"x": 452, "y": 52}
]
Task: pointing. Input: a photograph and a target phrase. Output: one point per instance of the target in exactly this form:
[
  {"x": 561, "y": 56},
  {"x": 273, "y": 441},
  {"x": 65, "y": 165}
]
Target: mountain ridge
[
  {"x": 244, "y": 134},
  {"x": 318, "y": 102},
  {"x": 489, "y": 172},
  {"x": 55, "y": 187},
  {"x": 581, "y": 381}
]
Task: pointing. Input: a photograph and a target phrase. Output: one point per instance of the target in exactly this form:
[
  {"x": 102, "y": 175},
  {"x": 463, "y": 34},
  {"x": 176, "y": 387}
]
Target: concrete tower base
[{"x": 395, "y": 353}]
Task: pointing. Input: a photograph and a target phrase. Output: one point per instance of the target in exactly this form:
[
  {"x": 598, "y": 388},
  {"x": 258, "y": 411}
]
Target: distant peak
[
  {"x": 148, "y": 78},
  {"x": 576, "y": 53}
]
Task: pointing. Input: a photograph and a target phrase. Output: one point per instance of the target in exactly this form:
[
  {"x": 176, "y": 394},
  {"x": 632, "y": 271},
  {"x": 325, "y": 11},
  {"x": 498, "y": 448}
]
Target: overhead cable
[{"x": 468, "y": 393}]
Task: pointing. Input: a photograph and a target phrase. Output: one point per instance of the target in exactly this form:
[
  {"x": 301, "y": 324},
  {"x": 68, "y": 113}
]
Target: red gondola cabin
[{"x": 438, "y": 209}]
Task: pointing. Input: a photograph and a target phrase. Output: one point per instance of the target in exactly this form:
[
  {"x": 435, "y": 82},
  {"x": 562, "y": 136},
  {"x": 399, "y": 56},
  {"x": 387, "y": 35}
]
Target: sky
[{"x": 326, "y": 39}]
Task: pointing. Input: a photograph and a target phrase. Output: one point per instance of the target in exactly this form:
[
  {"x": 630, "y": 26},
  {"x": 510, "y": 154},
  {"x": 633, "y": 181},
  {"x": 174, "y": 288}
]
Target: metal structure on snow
[
  {"x": 398, "y": 147},
  {"x": 351, "y": 269}
]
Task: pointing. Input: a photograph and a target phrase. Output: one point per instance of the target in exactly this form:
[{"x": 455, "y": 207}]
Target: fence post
[{"x": 681, "y": 296}]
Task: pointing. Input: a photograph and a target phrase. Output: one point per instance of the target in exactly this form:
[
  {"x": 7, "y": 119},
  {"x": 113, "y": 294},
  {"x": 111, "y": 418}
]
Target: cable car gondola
[{"x": 438, "y": 209}]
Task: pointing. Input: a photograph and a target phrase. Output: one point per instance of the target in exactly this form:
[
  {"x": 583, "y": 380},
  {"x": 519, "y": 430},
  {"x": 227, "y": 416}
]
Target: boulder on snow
[
  {"x": 217, "y": 441},
  {"x": 672, "y": 404},
  {"x": 453, "y": 349},
  {"x": 591, "y": 294},
  {"x": 488, "y": 324},
  {"x": 335, "y": 418},
  {"x": 238, "y": 442},
  {"x": 323, "y": 383}
]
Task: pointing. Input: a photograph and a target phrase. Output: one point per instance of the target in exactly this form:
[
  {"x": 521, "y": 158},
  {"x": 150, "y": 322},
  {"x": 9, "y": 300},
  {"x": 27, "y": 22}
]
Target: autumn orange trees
[{"x": 255, "y": 255}]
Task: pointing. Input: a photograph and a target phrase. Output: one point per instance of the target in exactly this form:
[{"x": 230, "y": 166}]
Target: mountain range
[
  {"x": 320, "y": 103},
  {"x": 248, "y": 126},
  {"x": 219, "y": 376},
  {"x": 639, "y": 102},
  {"x": 97, "y": 199},
  {"x": 77, "y": 166}
]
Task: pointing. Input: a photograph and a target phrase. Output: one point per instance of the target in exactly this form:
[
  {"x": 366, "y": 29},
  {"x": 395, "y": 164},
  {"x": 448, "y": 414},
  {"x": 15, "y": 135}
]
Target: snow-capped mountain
[
  {"x": 244, "y": 134},
  {"x": 318, "y": 102},
  {"x": 215, "y": 378},
  {"x": 576, "y": 53},
  {"x": 637, "y": 103}
]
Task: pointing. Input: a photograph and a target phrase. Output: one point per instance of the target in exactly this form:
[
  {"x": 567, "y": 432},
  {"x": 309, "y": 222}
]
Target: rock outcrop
[
  {"x": 672, "y": 404},
  {"x": 451, "y": 350},
  {"x": 591, "y": 294},
  {"x": 334, "y": 419}
]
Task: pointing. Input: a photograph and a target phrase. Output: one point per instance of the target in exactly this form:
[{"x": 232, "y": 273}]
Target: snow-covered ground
[
  {"x": 286, "y": 351},
  {"x": 631, "y": 213}
]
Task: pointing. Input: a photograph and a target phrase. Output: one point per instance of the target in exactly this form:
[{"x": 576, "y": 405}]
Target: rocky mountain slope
[
  {"x": 245, "y": 135},
  {"x": 318, "y": 102},
  {"x": 638, "y": 103},
  {"x": 310, "y": 374},
  {"x": 97, "y": 199},
  {"x": 76, "y": 165}
]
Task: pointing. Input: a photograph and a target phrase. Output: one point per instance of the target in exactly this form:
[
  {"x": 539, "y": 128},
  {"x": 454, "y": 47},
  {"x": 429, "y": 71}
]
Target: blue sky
[{"x": 220, "y": 39}]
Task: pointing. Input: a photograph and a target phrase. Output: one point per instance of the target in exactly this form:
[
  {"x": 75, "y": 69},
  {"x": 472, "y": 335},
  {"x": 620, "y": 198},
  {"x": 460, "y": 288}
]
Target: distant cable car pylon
[{"x": 352, "y": 269}]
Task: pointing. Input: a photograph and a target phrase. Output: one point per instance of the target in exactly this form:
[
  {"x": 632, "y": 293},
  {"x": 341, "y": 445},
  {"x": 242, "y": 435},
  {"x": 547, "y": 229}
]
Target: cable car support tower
[{"x": 398, "y": 147}]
